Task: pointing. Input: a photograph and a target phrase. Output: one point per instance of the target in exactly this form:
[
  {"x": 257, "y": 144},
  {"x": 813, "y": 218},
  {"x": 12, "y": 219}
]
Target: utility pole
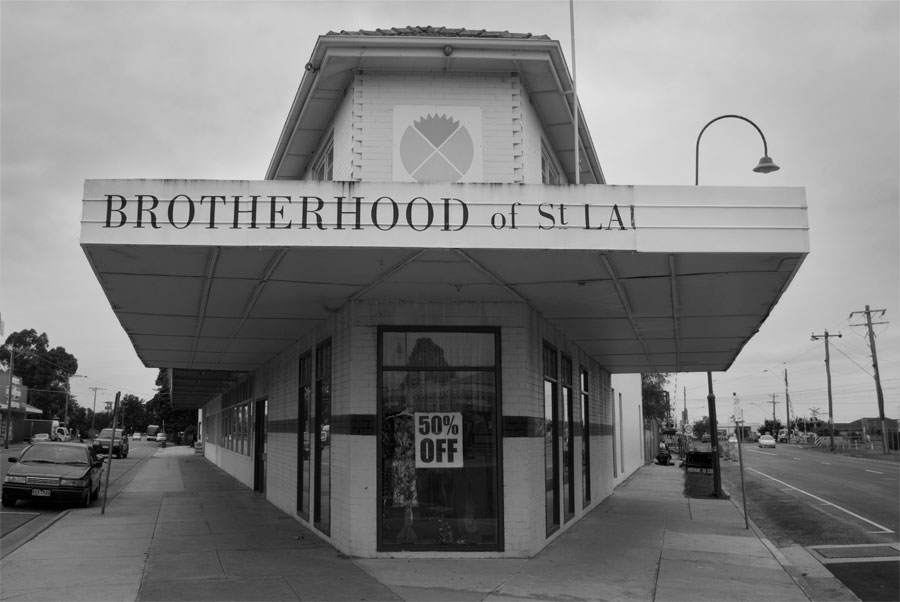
[
  {"x": 774, "y": 395},
  {"x": 12, "y": 361},
  {"x": 878, "y": 390},
  {"x": 816, "y": 337},
  {"x": 787, "y": 405},
  {"x": 94, "y": 413}
]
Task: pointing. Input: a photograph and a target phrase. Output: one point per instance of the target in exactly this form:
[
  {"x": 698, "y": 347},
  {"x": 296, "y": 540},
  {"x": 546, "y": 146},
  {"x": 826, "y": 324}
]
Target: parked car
[
  {"x": 136, "y": 437},
  {"x": 40, "y": 438},
  {"x": 58, "y": 472},
  {"x": 160, "y": 437},
  {"x": 120, "y": 443},
  {"x": 766, "y": 441}
]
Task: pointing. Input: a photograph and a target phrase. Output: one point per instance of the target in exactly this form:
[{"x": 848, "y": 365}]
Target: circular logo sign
[{"x": 436, "y": 149}]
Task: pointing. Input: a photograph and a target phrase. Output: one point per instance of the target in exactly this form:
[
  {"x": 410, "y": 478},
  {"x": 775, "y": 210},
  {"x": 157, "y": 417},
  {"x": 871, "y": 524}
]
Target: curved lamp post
[{"x": 765, "y": 165}]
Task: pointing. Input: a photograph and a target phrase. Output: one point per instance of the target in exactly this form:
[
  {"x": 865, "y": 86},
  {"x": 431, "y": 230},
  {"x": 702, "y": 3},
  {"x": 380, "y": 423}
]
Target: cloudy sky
[{"x": 201, "y": 90}]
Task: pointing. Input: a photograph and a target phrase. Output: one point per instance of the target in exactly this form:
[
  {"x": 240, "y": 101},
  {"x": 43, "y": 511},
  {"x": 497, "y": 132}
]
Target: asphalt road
[{"x": 844, "y": 510}]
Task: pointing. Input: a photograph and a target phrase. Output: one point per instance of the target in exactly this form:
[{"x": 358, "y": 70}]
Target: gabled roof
[{"x": 538, "y": 61}]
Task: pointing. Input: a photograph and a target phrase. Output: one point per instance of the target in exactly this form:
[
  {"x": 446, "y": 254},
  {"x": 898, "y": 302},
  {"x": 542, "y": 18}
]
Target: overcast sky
[{"x": 202, "y": 89}]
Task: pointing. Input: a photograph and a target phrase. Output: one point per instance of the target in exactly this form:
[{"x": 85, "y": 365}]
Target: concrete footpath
[{"x": 182, "y": 529}]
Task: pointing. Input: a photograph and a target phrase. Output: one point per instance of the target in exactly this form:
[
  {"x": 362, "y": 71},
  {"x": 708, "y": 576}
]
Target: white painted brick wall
[
  {"x": 354, "y": 503},
  {"x": 376, "y": 95}
]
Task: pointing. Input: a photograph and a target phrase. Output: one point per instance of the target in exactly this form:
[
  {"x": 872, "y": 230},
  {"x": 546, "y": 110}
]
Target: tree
[
  {"x": 701, "y": 427},
  {"x": 770, "y": 428},
  {"x": 654, "y": 396},
  {"x": 43, "y": 370},
  {"x": 133, "y": 416},
  {"x": 160, "y": 410}
]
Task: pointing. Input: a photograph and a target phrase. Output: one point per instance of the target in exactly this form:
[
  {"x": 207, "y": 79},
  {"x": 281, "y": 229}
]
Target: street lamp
[{"x": 765, "y": 165}]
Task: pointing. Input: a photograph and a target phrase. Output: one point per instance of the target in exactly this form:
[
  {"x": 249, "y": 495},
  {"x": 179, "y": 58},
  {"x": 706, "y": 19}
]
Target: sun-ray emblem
[{"x": 436, "y": 148}]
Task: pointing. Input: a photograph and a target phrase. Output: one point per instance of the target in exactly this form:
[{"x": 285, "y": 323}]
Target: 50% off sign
[{"x": 439, "y": 442}]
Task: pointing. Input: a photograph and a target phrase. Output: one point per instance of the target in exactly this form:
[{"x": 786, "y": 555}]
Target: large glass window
[
  {"x": 439, "y": 477},
  {"x": 235, "y": 428},
  {"x": 303, "y": 435},
  {"x": 585, "y": 438},
  {"x": 322, "y": 508},
  {"x": 568, "y": 436},
  {"x": 551, "y": 439}
]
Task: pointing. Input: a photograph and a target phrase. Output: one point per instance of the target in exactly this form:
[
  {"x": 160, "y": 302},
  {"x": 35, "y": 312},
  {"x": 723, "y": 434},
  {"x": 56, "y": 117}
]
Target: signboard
[
  {"x": 439, "y": 440},
  {"x": 427, "y": 214}
]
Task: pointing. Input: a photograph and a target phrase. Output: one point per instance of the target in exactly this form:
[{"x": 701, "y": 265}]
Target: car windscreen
[
  {"x": 54, "y": 454},
  {"x": 105, "y": 433}
]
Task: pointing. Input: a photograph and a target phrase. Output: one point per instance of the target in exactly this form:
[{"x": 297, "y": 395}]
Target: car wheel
[{"x": 8, "y": 501}]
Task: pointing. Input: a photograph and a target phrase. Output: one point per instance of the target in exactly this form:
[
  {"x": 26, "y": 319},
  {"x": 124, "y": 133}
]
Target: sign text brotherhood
[{"x": 307, "y": 213}]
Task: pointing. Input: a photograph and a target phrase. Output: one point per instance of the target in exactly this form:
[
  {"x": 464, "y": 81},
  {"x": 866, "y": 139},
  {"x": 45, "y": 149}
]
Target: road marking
[
  {"x": 875, "y": 471},
  {"x": 761, "y": 452},
  {"x": 826, "y": 463},
  {"x": 826, "y": 502},
  {"x": 796, "y": 458}
]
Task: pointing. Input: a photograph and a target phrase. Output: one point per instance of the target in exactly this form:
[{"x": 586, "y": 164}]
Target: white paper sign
[{"x": 439, "y": 440}]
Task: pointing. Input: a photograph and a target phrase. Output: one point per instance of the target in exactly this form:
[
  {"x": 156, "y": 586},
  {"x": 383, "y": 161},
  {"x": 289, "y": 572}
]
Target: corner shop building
[{"x": 417, "y": 335}]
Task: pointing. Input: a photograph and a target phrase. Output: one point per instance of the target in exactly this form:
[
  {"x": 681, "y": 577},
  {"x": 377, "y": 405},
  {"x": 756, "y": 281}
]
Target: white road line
[
  {"x": 875, "y": 471},
  {"x": 826, "y": 463},
  {"x": 825, "y": 502}
]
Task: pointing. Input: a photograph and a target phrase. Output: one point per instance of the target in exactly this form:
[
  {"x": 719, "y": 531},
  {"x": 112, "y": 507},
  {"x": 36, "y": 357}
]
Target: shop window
[
  {"x": 304, "y": 400},
  {"x": 585, "y": 438},
  {"x": 438, "y": 440},
  {"x": 551, "y": 440},
  {"x": 549, "y": 171},
  {"x": 322, "y": 420},
  {"x": 568, "y": 439},
  {"x": 324, "y": 166}
]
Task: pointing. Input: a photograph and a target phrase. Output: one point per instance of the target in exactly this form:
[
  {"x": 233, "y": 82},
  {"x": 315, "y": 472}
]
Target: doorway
[{"x": 260, "y": 434}]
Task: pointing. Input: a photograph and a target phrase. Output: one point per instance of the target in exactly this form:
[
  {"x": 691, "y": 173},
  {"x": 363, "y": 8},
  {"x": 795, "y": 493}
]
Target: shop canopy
[{"x": 212, "y": 279}]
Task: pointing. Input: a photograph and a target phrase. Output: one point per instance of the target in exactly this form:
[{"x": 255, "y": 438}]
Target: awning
[{"x": 213, "y": 279}]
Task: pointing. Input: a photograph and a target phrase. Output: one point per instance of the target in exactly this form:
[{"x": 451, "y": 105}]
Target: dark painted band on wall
[
  {"x": 366, "y": 425},
  {"x": 530, "y": 426}
]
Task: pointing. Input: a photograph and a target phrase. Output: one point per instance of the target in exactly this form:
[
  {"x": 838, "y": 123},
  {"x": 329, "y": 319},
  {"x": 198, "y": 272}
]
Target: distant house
[{"x": 865, "y": 426}]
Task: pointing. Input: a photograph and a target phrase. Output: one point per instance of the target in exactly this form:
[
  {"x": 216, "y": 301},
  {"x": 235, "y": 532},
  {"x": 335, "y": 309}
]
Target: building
[
  {"x": 417, "y": 335},
  {"x": 14, "y": 409}
]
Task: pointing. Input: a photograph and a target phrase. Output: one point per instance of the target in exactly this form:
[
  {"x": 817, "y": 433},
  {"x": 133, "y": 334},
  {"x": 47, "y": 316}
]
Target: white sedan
[{"x": 767, "y": 441}]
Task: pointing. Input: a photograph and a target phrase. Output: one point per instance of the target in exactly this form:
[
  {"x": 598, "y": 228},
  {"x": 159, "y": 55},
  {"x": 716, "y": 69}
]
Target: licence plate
[{"x": 40, "y": 492}]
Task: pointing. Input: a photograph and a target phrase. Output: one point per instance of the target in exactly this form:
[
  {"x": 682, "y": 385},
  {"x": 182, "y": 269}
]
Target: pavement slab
[{"x": 185, "y": 539}]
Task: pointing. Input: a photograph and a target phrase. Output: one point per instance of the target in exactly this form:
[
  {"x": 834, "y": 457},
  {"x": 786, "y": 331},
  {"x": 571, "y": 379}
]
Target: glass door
[{"x": 438, "y": 443}]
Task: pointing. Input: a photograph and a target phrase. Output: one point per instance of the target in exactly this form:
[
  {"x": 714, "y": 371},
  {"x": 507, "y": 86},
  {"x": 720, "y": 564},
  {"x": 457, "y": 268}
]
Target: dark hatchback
[
  {"x": 119, "y": 443},
  {"x": 54, "y": 472}
]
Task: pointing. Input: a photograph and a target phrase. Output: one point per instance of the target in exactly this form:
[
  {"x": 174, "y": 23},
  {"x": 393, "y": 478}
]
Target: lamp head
[{"x": 766, "y": 165}]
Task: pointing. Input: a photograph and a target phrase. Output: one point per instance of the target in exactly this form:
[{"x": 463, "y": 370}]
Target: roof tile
[{"x": 437, "y": 32}]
